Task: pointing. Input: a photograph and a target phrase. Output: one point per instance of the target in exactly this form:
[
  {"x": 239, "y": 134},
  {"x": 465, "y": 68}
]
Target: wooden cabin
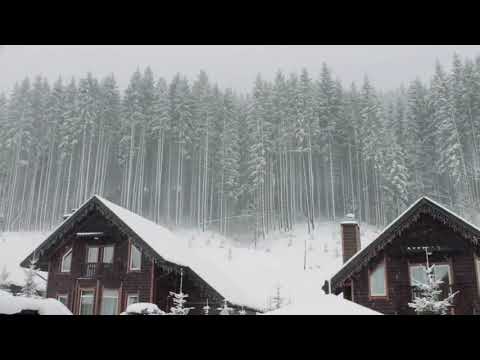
[
  {"x": 382, "y": 275},
  {"x": 103, "y": 258}
]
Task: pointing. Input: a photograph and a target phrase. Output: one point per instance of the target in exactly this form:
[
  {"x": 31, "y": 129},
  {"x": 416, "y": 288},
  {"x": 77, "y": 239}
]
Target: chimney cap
[{"x": 349, "y": 219}]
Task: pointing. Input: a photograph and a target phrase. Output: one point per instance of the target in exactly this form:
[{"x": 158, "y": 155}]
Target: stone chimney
[{"x": 350, "y": 237}]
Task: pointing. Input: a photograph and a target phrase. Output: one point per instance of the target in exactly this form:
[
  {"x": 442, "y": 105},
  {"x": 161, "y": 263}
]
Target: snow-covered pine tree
[
  {"x": 225, "y": 309},
  {"x": 206, "y": 308},
  {"x": 242, "y": 311},
  {"x": 327, "y": 113},
  {"x": 160, "y": 126},
  {"x": 451, "y": 160},
  {"x": 429, "y": 302},
  {"x": 130, "y": 135},
  {"x": 257, "y": 158},
  {"x": 69, "y": 135},
  {"x": 373, "y": 147},
  {"x": 30, "y": 288},
  {"x": 4, "y": 275},
  {"x": 179, "y": 300}
]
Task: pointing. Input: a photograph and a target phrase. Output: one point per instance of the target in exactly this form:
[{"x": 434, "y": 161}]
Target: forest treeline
[{"x": 187, "y": 153}]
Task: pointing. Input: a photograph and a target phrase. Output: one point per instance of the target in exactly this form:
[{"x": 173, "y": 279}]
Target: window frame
[
  {"x": 130, "y": 268},
  {"x": 129, "y": 295},
  {"x": 103, "y": 253},
  {"x": 111, "y": 297},
  {"x": 477, "y": 272},
  {"x": 63, "y": 295},
  {"x": 424, "y": 264},
  {"x": 385, "y": 279},
  {"x": 67, "y": 253},
  {"x": 81, "y": 291},
  {"x": 88, "y": 253}
]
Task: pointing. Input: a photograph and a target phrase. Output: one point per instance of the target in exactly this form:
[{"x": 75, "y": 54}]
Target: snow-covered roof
[
  {"x": 10, "y": 304},
  {"x": 410, "y": 210},
  {"x": 156, "y": 236},
  {"x": 324, "y": 305},
  {"x": 246, "y": 278}
]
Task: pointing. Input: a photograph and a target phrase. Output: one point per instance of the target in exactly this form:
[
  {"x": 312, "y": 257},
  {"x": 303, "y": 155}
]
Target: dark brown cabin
[
  {"x": 97, "y": 264},
  {"x": 381, "y": 276}
]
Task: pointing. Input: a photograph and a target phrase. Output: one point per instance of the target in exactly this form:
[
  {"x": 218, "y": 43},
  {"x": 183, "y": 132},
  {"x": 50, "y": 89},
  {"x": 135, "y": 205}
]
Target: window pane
[
  {"x": 108, "y": 254},
  {"x": 135, "y": 258},
  {"x": 109, "y": 302},
  {"x": 418, "y": 274},
  {"x": 92, "y": 255},
  {"x": 86, "y": 303},
  {"x": 377, "y": 281},
  {"x": 67, "y": 261},
  {"x": 132, "y": 299},
  {"x": 441, "y": 273}
]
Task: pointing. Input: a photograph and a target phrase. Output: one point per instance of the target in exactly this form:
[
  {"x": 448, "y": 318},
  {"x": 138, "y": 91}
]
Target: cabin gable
[{"x": 450, "y": 246}]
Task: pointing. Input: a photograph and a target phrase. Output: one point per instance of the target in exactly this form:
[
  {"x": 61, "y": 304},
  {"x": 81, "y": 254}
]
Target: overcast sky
[{"x": 229, "y": 65}]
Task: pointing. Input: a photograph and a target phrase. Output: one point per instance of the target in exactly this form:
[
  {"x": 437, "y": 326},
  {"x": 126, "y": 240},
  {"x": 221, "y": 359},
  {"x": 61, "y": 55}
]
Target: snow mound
[
  {"x": 324, "y": 305},
  {"x": 143, "y": 309},
  {"x": 10, "y": 304},
  {"x": 7, "y": 304}
]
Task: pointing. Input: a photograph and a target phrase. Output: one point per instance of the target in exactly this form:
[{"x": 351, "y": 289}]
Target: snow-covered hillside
[
  {"x": 323, "y": 245},
  {"x": 281, "y": 253}
]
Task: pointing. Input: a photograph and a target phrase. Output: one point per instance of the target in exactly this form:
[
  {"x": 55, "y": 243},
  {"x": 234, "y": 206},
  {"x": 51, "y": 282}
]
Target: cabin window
[
  {"x": 63, "y": 298},
  {"x": 108, "y": 254},
  {"x": 109, "y": 302},
  {"x": 92, "y": 254},
  {"x": 67, "y": 261},
  {"x": 378, "y": 283},
  {"x": 418, "y": 274},
  {"x": 132, "y": 299},
  {"x": 135, "y": 258},
  {"x": 86, "y": 302}
]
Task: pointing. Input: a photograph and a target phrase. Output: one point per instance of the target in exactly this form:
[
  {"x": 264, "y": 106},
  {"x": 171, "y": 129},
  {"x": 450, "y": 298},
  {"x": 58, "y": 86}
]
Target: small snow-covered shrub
[{"x": 143, "y": 309}]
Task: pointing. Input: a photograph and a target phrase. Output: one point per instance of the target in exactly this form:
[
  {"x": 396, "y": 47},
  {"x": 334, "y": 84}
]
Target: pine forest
[{"x": 186, "y": 153}]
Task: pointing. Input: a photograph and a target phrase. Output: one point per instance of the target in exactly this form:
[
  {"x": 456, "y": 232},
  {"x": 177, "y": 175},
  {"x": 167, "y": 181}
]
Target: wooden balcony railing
[{"x": 91, "y": 270}]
